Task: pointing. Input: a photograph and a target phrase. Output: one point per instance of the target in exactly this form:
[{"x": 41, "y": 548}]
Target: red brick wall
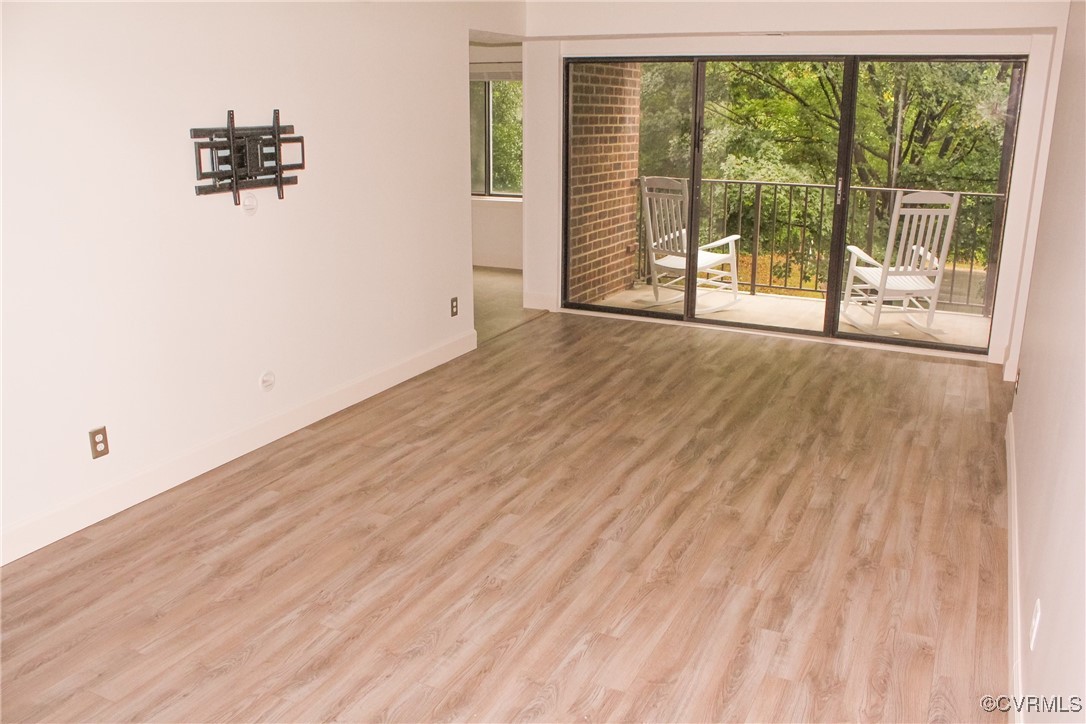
[{"x": 604, "y": 126}]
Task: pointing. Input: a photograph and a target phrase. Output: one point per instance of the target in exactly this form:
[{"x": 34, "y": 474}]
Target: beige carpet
[{"x": 498, "y": 299}]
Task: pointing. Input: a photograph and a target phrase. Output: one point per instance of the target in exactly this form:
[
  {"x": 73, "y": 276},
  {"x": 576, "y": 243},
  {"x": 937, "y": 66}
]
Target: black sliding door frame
[
  {"x": 845, "y": 137},
  {"x": 693, "y": 222},
  {"x": 1003, "y": 187},
  {"x": 567, "y": 135}
]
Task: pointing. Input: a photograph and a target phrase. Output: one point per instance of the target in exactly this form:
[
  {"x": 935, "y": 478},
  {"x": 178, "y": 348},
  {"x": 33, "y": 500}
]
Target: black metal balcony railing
[{"x": 785, "y": 231}]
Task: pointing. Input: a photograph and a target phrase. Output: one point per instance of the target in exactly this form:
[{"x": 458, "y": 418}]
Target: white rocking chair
[
  {"x": 665, "y": 205},
  {"x": 911, "y": 271}
]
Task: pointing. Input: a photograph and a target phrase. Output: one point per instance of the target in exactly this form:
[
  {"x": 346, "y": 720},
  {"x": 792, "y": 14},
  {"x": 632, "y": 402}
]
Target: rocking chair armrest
[
  {"x": 862, "y": 255},
  {"x": 727, "y": 240},
  {"x": 934, "y": 260}
]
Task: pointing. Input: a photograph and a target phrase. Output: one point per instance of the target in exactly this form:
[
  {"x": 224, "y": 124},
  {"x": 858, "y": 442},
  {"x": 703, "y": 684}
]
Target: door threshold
[{"x": 797, "y": 336}]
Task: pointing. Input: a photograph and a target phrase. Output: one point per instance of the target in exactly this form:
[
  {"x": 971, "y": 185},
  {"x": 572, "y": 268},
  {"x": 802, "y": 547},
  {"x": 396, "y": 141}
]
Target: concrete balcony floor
[{"x": 788, "y": 312}]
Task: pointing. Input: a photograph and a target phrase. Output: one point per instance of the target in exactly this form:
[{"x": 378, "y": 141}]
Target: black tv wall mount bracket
[{"x": 234, "y": 158}]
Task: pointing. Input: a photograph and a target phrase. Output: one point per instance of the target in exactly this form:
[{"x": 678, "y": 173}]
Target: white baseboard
[
  {"x": 76, "y": 515},
  {"x": 1014, "y": 603}
]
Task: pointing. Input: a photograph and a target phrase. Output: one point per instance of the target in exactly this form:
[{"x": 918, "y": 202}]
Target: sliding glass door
[
  {"x": 625, "y": 121},
  {"x": 922, "y": 269},
  {"x": 764, "y": 192},
  {"x": 769, "y": 158}
]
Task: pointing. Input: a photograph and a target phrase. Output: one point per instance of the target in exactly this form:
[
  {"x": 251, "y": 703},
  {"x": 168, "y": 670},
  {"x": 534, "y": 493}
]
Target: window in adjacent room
[{"x": 496, "y": 138}]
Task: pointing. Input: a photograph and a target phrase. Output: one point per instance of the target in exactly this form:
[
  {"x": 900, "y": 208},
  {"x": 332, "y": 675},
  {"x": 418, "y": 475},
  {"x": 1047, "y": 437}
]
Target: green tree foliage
[
  {"x": 478, "y": 136},
  {"x": 778, "y": 121},
  {"x": 507, "y": 138},
  {"x": 922, "y": 125},
  {"x": 936, "y": 125},
  {"x": 666, "y": 119}
]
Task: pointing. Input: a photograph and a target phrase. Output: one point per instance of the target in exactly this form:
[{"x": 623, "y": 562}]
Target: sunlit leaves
[{"x": 507, "y": 137}]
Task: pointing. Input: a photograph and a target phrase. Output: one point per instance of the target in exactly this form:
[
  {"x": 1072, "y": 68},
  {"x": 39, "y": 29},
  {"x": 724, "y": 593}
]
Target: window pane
[
  {"x": 769, "y": 162},
  {"x": 478, "y": 137},
  {"x": 507, "y": 139}
]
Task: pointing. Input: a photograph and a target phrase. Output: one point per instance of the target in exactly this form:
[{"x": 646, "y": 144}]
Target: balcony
[{"x": 785, "y": 231}]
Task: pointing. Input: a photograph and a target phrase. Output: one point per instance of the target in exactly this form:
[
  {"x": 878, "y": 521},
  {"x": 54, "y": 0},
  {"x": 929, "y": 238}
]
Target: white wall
[
  {"x": 497, "y": 233},
  {"x": 1049, "y": 417},
  {"x": 660, "y": 18},
  {"x": 130, "y": 302},
  {"x": 542, "y": 174},
  {"x": 494, "y": 54}
]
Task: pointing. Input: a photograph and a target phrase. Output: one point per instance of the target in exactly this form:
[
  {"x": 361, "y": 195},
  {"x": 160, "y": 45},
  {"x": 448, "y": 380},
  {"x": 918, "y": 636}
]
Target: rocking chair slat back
[
  {"x": 665, "y": 211},
  {"x": 920, "y": 234}
]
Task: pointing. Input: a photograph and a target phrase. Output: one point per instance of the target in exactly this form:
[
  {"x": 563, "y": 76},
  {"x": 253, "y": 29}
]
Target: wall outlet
[
  {"x": 454, "y": 306},
  {"x": 99, "y": 443}
]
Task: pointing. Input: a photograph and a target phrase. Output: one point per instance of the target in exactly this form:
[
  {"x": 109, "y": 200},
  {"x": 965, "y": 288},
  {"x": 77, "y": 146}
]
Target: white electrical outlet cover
[
  {"x": 267, "y": 381},
  {"x": 249, "y": 204}
]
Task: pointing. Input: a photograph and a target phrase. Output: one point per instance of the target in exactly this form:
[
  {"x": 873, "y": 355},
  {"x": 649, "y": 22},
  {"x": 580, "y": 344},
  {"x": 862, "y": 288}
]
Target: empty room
[{"x": 543, "y": 361}]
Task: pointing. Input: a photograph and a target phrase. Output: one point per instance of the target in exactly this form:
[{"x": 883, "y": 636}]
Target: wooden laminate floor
[{"x": 587, "y": 519}]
